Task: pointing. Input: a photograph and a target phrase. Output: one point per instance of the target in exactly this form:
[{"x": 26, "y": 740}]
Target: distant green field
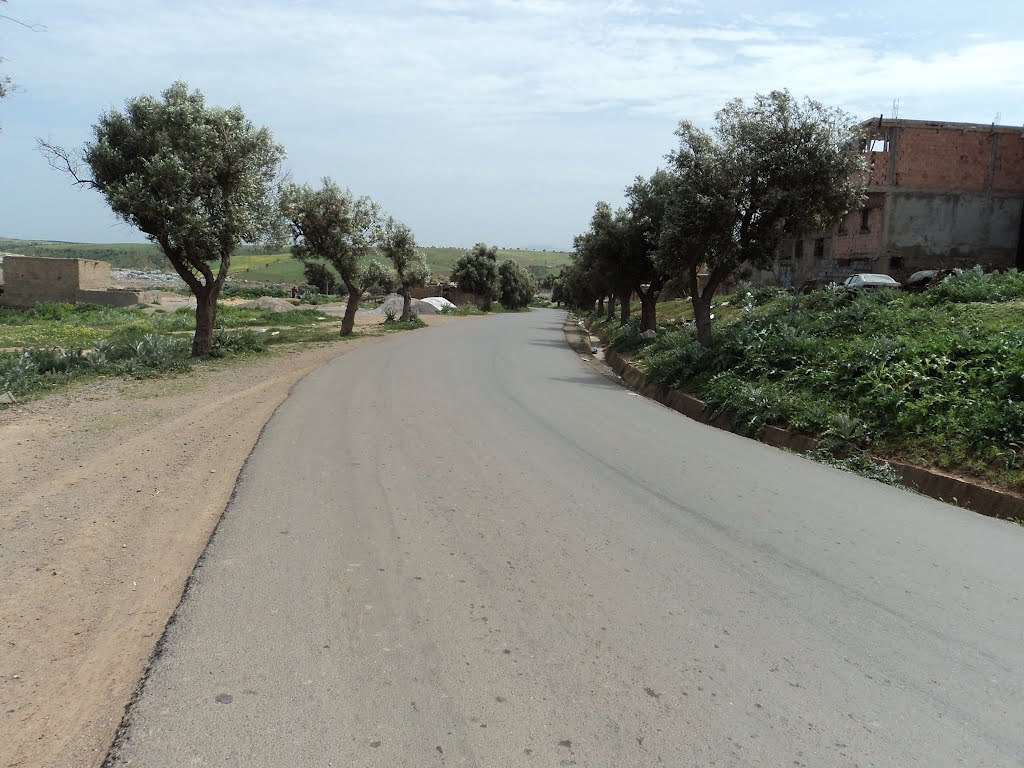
[{"x": 250, "y": 263}]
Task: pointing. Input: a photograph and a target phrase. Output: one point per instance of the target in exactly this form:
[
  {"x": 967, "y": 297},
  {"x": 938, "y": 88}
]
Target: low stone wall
[
  {"x": 953, "y": 490},
  {"x": 118, "y": 298}
]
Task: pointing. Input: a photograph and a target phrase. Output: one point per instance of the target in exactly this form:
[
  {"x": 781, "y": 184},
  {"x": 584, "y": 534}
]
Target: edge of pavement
[
  {"x": 957, "y": 491},
  {"x": 111, "y": 754}
]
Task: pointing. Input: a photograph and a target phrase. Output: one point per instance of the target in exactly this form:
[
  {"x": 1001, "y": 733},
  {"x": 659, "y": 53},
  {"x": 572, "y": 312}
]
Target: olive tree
[
  {"x": 642, "y": 223},
  {"x": 398, "y": 245},
  {"x": 476, "y": 272},
  {"x": 197, "y": 180},
  {"x": 331, "y": 224},
  {"x": 767, "y": 170},
  {"x": 597, "y": 254},
  {"x": 515, "y": 286}
]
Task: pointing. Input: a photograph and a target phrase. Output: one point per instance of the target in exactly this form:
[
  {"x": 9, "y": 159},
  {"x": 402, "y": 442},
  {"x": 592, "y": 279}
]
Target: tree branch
[
  {"x": 20, "y": 23},
  {"x": 62, "y": 160}
]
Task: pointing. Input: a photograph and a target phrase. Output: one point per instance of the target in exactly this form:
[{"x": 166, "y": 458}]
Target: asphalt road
[{"x": 462, "y": 547}]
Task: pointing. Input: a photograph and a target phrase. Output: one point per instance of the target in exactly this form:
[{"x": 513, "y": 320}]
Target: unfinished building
[
  {"x": 31, "y": 280},
  {"x": 939, "y": 195}
]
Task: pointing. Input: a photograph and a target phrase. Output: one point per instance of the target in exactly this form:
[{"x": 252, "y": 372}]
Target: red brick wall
[
  {"x": 950, "y": 158},
  {"x": 1009, "y": 170}
]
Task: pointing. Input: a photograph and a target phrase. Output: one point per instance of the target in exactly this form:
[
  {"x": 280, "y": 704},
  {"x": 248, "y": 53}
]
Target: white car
[{"x": 869, "y": 282}]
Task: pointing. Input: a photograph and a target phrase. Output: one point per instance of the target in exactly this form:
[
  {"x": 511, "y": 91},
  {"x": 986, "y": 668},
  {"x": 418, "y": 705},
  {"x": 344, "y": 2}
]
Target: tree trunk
[
  {"x": 624, "y": 306},
  {"x": 348, "y": 322},
  {"x": 406, "y": 305},
  {"x": 648, "y": 311},
  {"x": 600, "y": 305},
  {"x": 611, "y": 307},
  {"x": 206, "y": 315},
  {"x": 649, "y": 305},
  {"x": 702, "y": 314}
]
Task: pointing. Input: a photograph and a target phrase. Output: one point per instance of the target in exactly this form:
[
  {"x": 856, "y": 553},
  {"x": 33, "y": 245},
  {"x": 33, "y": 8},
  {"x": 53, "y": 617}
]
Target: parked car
[
  {"x": 925, "y": 278},
  {"x": 867, "y": 282}
]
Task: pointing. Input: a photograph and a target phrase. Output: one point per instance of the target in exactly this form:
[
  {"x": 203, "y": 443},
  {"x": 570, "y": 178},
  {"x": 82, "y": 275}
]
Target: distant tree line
[{"x": 767, "y": 170}]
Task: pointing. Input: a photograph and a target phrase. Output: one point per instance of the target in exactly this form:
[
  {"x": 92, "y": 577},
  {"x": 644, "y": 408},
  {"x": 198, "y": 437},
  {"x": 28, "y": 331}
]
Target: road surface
[{"x": 462, "y": 547}]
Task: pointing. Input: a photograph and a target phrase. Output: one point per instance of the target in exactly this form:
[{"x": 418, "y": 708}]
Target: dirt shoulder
[{"x": 108, "y": 495}]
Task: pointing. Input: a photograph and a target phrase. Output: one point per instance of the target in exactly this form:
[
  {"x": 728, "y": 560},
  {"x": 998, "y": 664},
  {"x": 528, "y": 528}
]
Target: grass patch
[{"x": 935, "y": 378}]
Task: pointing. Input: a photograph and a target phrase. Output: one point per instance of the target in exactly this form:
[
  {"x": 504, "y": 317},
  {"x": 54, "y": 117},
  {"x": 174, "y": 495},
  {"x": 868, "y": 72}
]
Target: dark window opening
[
  {"x": 865, "y": 220},
  {"x": 819, "y": 248},
  {"x": 842, "y": 226},
  {"x": 895, "y": 262},
  {"x": 798, "y": 250}
]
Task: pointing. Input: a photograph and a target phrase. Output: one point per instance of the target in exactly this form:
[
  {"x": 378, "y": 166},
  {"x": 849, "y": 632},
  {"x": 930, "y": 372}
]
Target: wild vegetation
[
  {"x": 935, "y": 378},
  {"x": 52, "y": 345}
]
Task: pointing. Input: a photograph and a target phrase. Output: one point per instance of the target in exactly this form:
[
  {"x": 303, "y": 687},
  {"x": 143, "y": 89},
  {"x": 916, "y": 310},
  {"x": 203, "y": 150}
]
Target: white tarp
[{"x": 439, "y": 303}]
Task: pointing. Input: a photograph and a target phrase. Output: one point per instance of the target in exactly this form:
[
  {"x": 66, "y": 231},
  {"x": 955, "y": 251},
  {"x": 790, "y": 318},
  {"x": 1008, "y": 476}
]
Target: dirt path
[{"x": 108, "y": 495}]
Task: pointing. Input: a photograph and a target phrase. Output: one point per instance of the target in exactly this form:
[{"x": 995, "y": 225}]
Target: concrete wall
[
  {"x": 29, "y": 280},
  {"x": 943, "y": 228},
  {"x": 93, "y": 275}
]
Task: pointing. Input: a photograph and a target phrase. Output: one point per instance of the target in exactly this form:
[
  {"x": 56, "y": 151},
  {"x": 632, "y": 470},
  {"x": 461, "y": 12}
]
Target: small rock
[{"x": 649, "y": 334}]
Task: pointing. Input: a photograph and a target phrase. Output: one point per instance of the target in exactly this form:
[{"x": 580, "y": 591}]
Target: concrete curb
[{"x": 928, "y": 482}]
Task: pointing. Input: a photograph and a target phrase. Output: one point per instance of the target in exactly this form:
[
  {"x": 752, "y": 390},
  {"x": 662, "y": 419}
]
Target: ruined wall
[
  {"x": 93, "y": 275},
  {"x": 29, "y": 280}
]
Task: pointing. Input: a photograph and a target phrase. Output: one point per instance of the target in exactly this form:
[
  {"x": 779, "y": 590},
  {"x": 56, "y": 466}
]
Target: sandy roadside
[{"x": 108, "y": 495}]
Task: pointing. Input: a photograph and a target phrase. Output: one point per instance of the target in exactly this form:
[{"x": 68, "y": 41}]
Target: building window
[
  {"x": 895, "y": 262},
  {"x": 798, "y": 250},
  {"x": 865, "y": 220},
  {"x": 819, "y": 248},
  {"x": 842, "y": 226}
]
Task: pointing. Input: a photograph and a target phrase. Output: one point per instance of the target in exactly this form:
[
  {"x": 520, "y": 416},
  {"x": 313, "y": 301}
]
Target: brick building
[{"x": 939, "y": 195}]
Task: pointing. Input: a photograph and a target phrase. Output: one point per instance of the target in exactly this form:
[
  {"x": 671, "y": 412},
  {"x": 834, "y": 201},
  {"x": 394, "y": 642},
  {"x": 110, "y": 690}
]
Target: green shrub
[{"x": 938, "y": 375}]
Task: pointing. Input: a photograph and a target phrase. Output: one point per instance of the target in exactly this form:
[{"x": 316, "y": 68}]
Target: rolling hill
[{"x": 251, "y": 263}]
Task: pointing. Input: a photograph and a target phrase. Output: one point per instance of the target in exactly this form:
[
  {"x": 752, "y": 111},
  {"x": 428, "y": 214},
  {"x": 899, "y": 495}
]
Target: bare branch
[
  {"x": 64, "y": 161},
  {"x": 33, "y": 27}
]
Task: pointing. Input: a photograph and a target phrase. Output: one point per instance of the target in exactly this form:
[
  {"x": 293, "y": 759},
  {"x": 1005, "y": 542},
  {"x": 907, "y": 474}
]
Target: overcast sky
[{"x": 494, "y": 120}]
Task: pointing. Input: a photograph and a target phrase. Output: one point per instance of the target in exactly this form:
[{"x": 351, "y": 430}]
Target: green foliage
[
  {"x": 515, "y": 287},
  {"x": 35, "y": 370},
  {"x": 320, "y": 275},
  {"x": 196, "y": 180},
  {"x": 928, "y": 376},
  {"x": 861, "y": 465},
  {"x": 398, "y": 245},
  {"x": 252, "y": 291},
  {"x": 975, "y": 285},
  {"x": 330, "y": 224},
  {"x": 773, "y": 168},
  {"x": 477, "y": 273}
]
